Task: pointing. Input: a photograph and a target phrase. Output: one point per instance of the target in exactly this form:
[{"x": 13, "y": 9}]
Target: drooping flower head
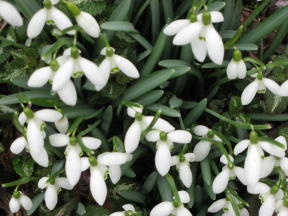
[
  {"x": 236, "y": 67},
  {"x": 19, "y": 199},
  {"x": 10, "y": 14}
]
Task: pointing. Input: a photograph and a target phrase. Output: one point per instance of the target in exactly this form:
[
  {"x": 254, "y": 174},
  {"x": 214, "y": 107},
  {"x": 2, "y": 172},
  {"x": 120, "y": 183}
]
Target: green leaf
[
  {"x": 216, "y": 6},
  {"x": 246, "y": 47},
  {"x": 133, "y": 196},
  {"x": 175, "y": 102},
  {"x": 92, "y": 210},
  {"x": 23, "y": 166},
  {"x": 166, "y": 111},
  {"x": 155, "y": 18},
  {"x": 195, "y": 113},
  {"x": 119, "y": 26},
  {"x": 77, "y": 111},
  {"x": 28, "y": 7},
  {"x": 150, "y": 182},
  {"x": 168, "y": 63},
  {"x": 150, "y": 98},
  {"x": 164, "y": 189},
  {"x": 37, "y": 200},
  {"x": 107, "y": 120},
  {"x": 206, "y": 171}
]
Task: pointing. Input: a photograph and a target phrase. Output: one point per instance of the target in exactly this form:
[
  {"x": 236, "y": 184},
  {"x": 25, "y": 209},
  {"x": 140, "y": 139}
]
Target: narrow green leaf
[
  {"x": 167, "y": 9},
  {"x": 133, "y": 196},
  {"x": 164, "y": 189},
  {"x": 206, "y": 171},
  {"x": 150, "y": 182},
  {"x": 150, "y": 97},
  {"x": 28, "y": 7},
  {"x": 119, "y": 26},
  {"x": 165, "y": 110},
  {"x": 78, "y": 111},
  {"x": 37, "y": 200},
  {"x": 246, "y": 47},
  {"x": 168, "y": 63},
  {"x": 216, "y": 6},
  {"x": 228, "y": 12},
  {"x": 107, "y": 120},
  {"x": 195, "y": 113},
  {"x": 155, "y": 18},
  {"x": 269, "y": 117}
]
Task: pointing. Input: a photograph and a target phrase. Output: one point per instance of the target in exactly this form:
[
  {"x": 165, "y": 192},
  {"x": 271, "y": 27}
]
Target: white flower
[
  {"x": 41, "y": 76},
  {"x": 236, "y": 67},
  {"x": 228, "y": 171},
  {"x": 165, "y": 141},
  {"x": 283, "y": 91},
  {"x": 258, "y": 85},
  {"x": 167, "y": 208},
  {"x": 269, "y": 197},
  {"x": 127, "y": 208},
  {"x": 281, "y": 208},
  {"x": 133, "y": 134},
  {"x": 73, "y": 63},
  {"x": 202, "y": 148},
  {"x": 62, "y": 124},
  {"x": 277, "y": 159},
  {"x": 226, "y": 206},
  {"x": 88, "y": 23},
  {"x": 108, "y": 162},
  {"x": 183, "y": 167},
  {"x": 52, "y": 189},
  {"x": 253, "y": 161},
  {"x": 202, "y": 35},
  {"x": 113, "y": 63},
  {"x": 10, "y": 14},
  {"x": 19, "y": 199},
  {"x": 73, "y": 152},
  {"x": 49, "y": 12}
]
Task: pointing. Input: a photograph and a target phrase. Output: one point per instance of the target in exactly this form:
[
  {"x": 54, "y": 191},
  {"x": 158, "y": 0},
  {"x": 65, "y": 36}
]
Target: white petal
[
  {"x": 244, "y": 212},
  {"x": 22, "y": 118},
  {"x": 201, "y": 130},
  {"x": 252, "y": 165},
  {"x": 179, "y": 136},
  {"x": 42, "y": 183},
  {"x": 163, "y": 158},
  {"x": 10, "y": 14},
  {"x": 113, "y": 158},
  {"x": 98, "y": 186},
  {"x": 258, "y": 188},
  {"x": 282, "y": 140},
  {"x": 249, "y": 92},
  {"x": 190, "y": 157},
  {"x": 18, "y": 145},
  {"x": 162, "y": 209},
  {"x": 104, "y": 70},
  {"x": 91, "y": 71},
  {"x": 62, "y": 125},
  {"x": 40, "y": 77},
  {"x": 217, "y": 205},
  {"x": 185, "y": 175},
  {"x": 268, "y": 207},
  {"x": 174, "y": 160},
  {"x": 25, "y": 202},
  {"x": 232, "y": 70},
  {"x": 68, "y": 94},
  {"x": 223, "y": 159},
  {"x": 63, "y": 183},
  {"x": 14, "y": 205},
  {"x": 85, "y": 164},
  {"x": 242, "y": 70},
  {"x": 91, "y": 142},
  {"x": 284, "y": 165},
  {"x": 73, "y": 166},
  {"x": 51, "y": 197},
  {"x": 128, "y": 207},
  {"x": 184, "y": 196},
  {"x": 271, "y": 85},
  {"x": 221, "y": 181},
  {"x": 61, "y": 20},
  {"x": 58, "y": 140},
  {"x": 214, "y": 44},
  {"x": 153, "y": 136},
  {"x": 62, "y": 76},
  {"x": 117, "y": 214},
  {"x": 201, "y": 150},
  {"x": 267, "y": 166},
  {"x": 126, "y": 66},
  {"x": 88, "y": 23},
  {"x": 115, "y": 173},
  {"x": 41, "y": 158},
  {"x": 231, "y": 210},
  {"x": 272, "y": 149},
  {"x": 48, "y": 115},
  {"x": 34, "y": 137},
  {"x": 131, "y": 111},
  {"x": 186, "y": 34},
  {"x": 199, "y": 49},
  {"x": 240, "y": 173},
  {"x": 161, "y": 124},
  {"x": 176, "y": 26},
  {"x": 241, "y": 146},
  {"x": 216, "y": 17},
  {"x": 132, "y": 137},
  {"x": 36, "y": 23},
  {"x": 182, "y": 211},
  {"x": 283, "y": 91}
]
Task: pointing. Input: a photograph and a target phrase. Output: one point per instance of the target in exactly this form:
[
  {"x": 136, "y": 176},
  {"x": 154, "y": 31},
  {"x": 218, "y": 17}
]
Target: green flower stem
[
  {"x": 54, "y": 175},
  {"x": 155, "y": 119},
  {"x": 235, "y": 38},
  {"x": 234, "y": 193},
  {"x": 173, "y": 187},
  {"x": 105, "y": 39},
  {"x": 11, "y": 42},
  {"x": 88, "y": 151},
  {"x": 18, "y": 126},
  {"x": 225, "y": 140},
  {"x": 238, "y": 124},
  {"x": 234, "y": 204},
  {"x": 90, "y": 127},
  {"x": 18, "y": 182}
]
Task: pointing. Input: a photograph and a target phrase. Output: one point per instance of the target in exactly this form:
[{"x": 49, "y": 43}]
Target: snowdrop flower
[
  {"x": 165, "y": 142},
  {"x": 10, "y": 14},
  {"x": 202, "y": 148},
  {"x": 49, "y": 12},
  {"x": 52, "y": 188},
  {"x": 113, "y": 63},
  {"x": 258, "y": 85},
  {"x": 171, "y": 208},
  {"x": 41, "y": 76},
  {"x": 128, "y": 210},
  {"x": 62, "y": 124},
  {"x": 226, "y": 206},
  {"x": 269, "y": 197},
  {"x": 133, "y": 134},
  {"x": 228, "y": 171},
  {"x": 73, "y": 152},
  {"x": 253, "y": 161},
  {"x": 278, "y": 158},
  {"x": 282, "y": 207},
  {"x": 236, "y": 67},
  {"x": 106, "y": 163},
  {"x": 19, "y": 199},
  {"x": 183, "y": 167},
  {"x": 86, "y": 21},
  {"x": 20, "y": 143},
  {"x": 35, "y": 122},
  {"x": 284, "y": 89},
  {"x": 74, "y": 64}
]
